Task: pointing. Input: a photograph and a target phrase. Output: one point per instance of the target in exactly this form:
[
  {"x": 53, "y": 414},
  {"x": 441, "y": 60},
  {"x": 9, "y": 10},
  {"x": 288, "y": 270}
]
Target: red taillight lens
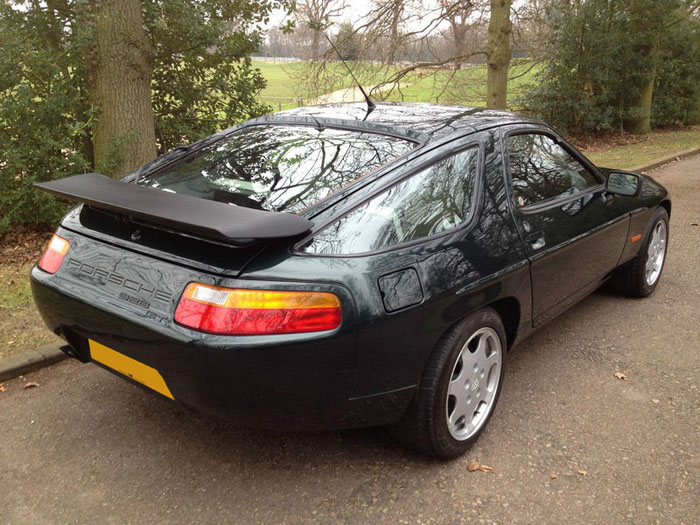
[
  {"x": 54, "y": 254},
  {"x": 232, "y": 311}
]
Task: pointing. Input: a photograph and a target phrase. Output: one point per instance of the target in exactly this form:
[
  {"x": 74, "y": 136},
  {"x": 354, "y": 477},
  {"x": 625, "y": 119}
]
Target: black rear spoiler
[{"x": 216, "y": 220}]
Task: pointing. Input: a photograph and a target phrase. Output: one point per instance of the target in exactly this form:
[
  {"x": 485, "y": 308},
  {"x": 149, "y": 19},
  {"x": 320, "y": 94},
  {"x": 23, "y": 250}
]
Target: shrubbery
[
  {"x": 40, "y": 134},
  {"x": 597, "y": 57},
  {"x": 203, "y": 80}
]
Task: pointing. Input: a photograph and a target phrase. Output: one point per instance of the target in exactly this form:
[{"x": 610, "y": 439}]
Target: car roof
[{"x": 419, "y": 120}]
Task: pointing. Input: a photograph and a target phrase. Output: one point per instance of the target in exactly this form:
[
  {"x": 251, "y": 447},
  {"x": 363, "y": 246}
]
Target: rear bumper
[{"x": 297, "y": 382}]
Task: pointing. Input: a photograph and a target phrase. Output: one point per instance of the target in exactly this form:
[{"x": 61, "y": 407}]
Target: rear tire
[
  {"x": 639, "y": 277},
  {"x": 459, "y": 388}
]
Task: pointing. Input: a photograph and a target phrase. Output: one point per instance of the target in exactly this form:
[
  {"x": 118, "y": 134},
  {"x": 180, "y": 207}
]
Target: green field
[
  {"x": 659, "y": 144},
  {"x": 466, "y": 86},
  {"x": 280, "y": 85},
  {"x": 289, "y": 82}
]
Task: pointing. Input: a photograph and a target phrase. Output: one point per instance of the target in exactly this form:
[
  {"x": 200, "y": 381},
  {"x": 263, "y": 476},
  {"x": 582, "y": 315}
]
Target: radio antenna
[{"x": 370, "y": 105}]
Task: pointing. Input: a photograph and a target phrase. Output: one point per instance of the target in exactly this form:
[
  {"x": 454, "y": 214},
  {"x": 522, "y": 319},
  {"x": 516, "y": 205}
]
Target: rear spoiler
[{"x": 216, "y": 220}]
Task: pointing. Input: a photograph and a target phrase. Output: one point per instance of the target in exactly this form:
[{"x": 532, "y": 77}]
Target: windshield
[{"x": 277, "y": 168}]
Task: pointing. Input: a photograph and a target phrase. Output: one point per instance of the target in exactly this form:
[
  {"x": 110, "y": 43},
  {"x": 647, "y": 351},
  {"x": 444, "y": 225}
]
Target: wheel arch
[
  {"x": 666, "y": 204},
  {"x": 508, "y": 309}
]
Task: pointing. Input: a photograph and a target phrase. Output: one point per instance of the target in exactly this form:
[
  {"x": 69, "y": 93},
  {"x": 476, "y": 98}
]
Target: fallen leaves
[
  {"x": 2, "y": 388},
  {"x": 553, "y": 476},
  {"x": 475, "y": 465},
  {"x": 23, "y": 244},
  {"x": 620, "y": 376},
  {"x": 605, "y": 142},
  {"x": 582, "y": 472},
  {"x": 31, "y": 384}
]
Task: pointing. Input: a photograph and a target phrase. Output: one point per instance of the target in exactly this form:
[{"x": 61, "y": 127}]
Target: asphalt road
[{"x": 569, "y": 441}]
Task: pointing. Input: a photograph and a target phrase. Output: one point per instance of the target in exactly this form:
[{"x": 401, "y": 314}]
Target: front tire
[
  {"x": 639, "y": 277},
  {"x": 460, "y": 387}
]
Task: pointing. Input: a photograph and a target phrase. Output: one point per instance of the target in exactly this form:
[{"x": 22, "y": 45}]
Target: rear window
[{"x": 277, "y": 168}]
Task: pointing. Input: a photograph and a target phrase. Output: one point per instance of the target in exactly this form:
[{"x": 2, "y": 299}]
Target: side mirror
[{"x": 623, "y": 183}]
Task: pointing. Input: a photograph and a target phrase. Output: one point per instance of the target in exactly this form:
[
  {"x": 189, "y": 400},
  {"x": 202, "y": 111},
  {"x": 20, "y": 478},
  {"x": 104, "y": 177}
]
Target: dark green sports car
[{"x": 330, "y": 267}]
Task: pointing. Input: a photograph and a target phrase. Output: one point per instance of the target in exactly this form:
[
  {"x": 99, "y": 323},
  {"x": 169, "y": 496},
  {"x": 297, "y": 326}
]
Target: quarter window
[
  {"x": 434, "y": 200},
  {"x": 541, "y": 169}
]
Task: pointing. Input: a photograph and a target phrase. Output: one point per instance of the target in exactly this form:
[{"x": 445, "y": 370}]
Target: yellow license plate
[{"x": 129, "y": 367}]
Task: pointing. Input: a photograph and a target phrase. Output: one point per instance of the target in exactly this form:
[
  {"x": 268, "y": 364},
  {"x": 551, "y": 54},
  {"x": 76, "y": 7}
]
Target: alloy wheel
[
  {"x": 474, "y": 382},
  {"x": 656, "y": 252}
]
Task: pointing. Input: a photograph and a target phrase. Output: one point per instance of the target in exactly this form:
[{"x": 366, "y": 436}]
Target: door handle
[{"x": 536, "y": 240}]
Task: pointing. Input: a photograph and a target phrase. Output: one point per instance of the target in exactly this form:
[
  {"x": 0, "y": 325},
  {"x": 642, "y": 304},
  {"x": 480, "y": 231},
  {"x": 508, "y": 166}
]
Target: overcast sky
[{"x": 354, "y": 10}]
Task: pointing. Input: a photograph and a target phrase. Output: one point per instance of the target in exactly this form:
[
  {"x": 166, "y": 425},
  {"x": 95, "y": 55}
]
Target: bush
[
  {"x": 202, "y": 81},
  {"x": 598, "y": 56},
  {"x": 40, "y": 133},
  {"x": 677, "y": 90}
]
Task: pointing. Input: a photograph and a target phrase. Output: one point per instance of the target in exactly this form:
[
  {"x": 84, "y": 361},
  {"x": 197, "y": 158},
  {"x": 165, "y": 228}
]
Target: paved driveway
[{"x": 569, "y": 441}]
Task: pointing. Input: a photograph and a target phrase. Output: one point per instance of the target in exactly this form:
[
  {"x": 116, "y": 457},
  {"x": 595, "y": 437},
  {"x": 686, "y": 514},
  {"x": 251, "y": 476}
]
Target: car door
[{"x": 573, "y": 230}]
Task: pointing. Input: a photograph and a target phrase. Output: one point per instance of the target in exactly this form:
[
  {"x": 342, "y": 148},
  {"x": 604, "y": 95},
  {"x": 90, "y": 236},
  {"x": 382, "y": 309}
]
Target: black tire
[
  {"x": 630, "y": 279},
  {"x": 425, "y": 425}
]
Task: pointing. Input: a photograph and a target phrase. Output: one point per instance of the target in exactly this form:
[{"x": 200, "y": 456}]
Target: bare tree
[
  {"x": 461, "y": 17},
  {"x": 530, "y": 26},
  {"x": 384, "y": 26},
  {"x": 316, "y": 16},
  {"x": 403, "y": 41}
]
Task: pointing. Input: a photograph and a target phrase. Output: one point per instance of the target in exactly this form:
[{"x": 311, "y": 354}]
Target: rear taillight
[
  {"x": 231, "y": 311},
  {"x": 54, "y": 254}
]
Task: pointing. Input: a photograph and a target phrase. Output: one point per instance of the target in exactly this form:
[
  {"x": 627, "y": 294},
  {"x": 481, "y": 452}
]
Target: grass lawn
[
  {"x": 648, "y": 148},
  {"x": 281, "y": 89},
  {"x": 466, "y": 86},
  {"x": 21, "y": 328},
  {"x": 285, "y": 84}
]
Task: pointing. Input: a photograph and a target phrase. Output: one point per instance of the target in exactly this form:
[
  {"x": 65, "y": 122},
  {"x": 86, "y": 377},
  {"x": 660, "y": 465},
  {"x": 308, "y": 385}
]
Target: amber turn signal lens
[
  {"x": 54, "y": 254},
  {"x": 232, "y": 311}
]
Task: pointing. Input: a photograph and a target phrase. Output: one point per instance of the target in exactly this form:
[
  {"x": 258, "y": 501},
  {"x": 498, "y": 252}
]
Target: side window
[
  {"x": 433, "y": 200},
  {"x": 541, "y": 169}
]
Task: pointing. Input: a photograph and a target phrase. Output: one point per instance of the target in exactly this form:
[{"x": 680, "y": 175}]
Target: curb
[
  {"x": 664, "y": 160},
  {"x": 16, "y": 365},
  {"x": 31, "y": 360}
]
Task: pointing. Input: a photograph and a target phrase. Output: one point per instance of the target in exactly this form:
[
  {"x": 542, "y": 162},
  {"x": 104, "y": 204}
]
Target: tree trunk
[
  {"x": 640, "y": 121},
  {"x": 315, "y": 44},
  {"x": 120, "y": 69},
  {"x": 498, "y": 54},
  {"x": 396, "y": 12},
  {"x": 459, "y": 35}
]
